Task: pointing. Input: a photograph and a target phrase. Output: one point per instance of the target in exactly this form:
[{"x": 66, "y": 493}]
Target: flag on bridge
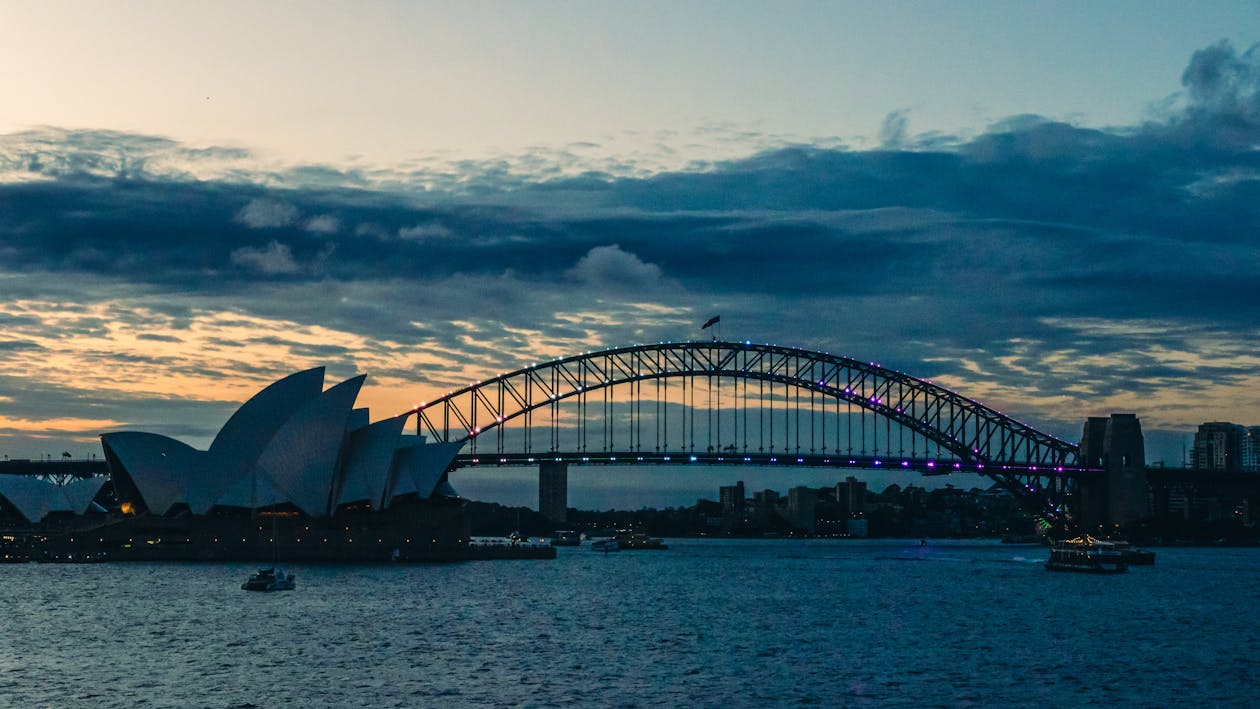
[{"x": 711, "y": 322}]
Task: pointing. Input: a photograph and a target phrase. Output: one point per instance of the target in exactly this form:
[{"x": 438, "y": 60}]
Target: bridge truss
[{"x": 743, "y": 403}]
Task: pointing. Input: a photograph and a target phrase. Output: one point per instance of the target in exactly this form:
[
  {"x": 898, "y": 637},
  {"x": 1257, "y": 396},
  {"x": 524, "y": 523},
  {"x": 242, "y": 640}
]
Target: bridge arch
[{"x": 968, "y": 436}]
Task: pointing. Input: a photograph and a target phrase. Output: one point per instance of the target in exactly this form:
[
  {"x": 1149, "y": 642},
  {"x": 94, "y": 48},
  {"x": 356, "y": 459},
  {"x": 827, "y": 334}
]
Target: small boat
[
  {"x": 1087, "y": 555},
  {"x": 605, "y": 545},
  {"x": 566, "y": 538},
  {"x": 270, "y": 579}
]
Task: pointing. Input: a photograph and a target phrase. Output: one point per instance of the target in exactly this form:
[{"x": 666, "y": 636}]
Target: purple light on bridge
[
  {"x": 852, "y": 462},
  {"x": 879, "y": 462},
  {"x": 931, "y": 464},
  {"x": 905, "y": 464}
]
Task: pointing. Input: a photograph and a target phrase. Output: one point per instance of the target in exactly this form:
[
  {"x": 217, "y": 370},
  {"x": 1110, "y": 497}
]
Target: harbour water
[{"x": 720, "y": 623}]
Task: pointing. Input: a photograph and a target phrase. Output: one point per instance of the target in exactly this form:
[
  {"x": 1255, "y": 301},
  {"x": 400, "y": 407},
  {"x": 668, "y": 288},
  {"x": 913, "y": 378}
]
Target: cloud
[
  {"x": 276, "y": 258},
  {"x": 421, "y": 232},
  {"x": 1045, "y": 267},
  {"x": 267, "y": 213},
  {"x": 323, "y": 224},
  {"x": 609, "y": 265},
  {"x": 1223, "y": 88},
  {"x": 895, "y": 129}
]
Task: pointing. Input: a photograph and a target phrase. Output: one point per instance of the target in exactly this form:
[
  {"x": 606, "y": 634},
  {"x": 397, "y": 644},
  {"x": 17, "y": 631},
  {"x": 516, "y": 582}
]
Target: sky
[{"x": 1052, "y": 208}]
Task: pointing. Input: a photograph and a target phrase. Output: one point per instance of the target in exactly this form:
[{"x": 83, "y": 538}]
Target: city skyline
[{"x": 193, "y": 202}]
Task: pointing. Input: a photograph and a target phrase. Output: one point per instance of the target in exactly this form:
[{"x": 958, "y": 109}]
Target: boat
[
  {"x": 605, "y": 545},
  {"x": 566, "y": 538},
  {"x": 1087, "y": 555},
  {"x": 270, "y": 579},
  {"x": 513, "y": 546},
  {"x": 1134, "y": 556},
  {"x": 638, "y": 540}
]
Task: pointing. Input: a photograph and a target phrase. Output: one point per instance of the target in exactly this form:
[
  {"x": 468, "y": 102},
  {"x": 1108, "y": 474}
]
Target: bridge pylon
[{"x": 1119, "y": 497}]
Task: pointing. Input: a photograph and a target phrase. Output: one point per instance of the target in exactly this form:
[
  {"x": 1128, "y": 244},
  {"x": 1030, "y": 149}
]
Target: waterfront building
[
  {"x": 553, "y": 490},
  {"x": 857, "y": 527},
  {"x": 1218, "y": 447},
  {"x": 1251, "y": 449},
  {"x": 851, "y": 497},
  {"x": 732, "y": 498},
  {"x": 292, "y": 445},
  {"x": 765, "y": 505},
  {"x": 27, "y": 500},
  {"x": 800, "y": 507},
  {"x": 297, "y": 471}
]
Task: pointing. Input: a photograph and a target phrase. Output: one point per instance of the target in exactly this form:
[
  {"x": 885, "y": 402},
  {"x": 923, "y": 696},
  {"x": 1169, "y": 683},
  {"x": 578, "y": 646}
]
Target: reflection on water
[{"x": 708, "y": 623}]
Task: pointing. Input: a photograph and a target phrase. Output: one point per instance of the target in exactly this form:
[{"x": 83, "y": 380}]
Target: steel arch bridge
[{"x": 739, "y": 403}]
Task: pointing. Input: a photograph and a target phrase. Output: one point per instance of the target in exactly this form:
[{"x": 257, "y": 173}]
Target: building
[
  {"x": 27, "y": 500},
  {"x": 1218, "y": 447},
  {"x": 851, "y": 497},
  {"x": 297, "y": 471},
  {"x": 1251, "y": 450},
  {"x": 800, "y": 507},
  {"x": 765, "y": 504},
  {"x": 732, "y": 498},
  {"x": 553, "y": 490},
  {"x": 291, "y": 446}
]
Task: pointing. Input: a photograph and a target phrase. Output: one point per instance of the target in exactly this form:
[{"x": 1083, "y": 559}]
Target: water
[{"x": 707, "y": 623}]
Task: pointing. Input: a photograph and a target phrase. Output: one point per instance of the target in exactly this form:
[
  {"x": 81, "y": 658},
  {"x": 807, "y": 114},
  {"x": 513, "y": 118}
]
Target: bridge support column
[
  {"x": 1120, "y": 496},
  {"x": 553, "y": 490}
]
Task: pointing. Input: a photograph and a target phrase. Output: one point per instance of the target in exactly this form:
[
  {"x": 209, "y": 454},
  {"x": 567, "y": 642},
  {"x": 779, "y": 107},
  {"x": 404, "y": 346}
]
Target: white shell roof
[
  {"x": 302, "y": 457},
  {"x": 369, "y": 458},
  {"x": 162, "y": 468},
  {"x": 290, "y": 443},
  {"x": 34, "y": 498}
]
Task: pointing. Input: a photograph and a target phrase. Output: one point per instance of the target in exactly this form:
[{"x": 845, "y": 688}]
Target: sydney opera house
[{"x": 297, "y": 473}]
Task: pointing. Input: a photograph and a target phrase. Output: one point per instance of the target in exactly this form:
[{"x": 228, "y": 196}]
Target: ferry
[
  {"x": 638, "y": 540},
  {"x": 513, "y": 546},
  {"x": 1087, "y": 555},
  {"x": 270, "y": 579}
]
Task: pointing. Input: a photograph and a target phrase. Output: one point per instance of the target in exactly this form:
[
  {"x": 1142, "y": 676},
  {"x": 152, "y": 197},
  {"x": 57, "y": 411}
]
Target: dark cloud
[{"x": 1003, "y": 250}]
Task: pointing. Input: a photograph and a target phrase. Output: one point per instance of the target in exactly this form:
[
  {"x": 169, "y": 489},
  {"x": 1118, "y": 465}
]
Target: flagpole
[{"x": 715, "y": 320}]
